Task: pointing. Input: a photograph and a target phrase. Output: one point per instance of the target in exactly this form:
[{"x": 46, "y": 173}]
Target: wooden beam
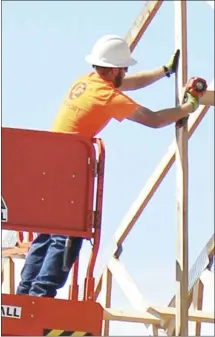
[
  {"x": 155, "y": 330},
  {"x": 181, "y": 321},
  {"x": 142, "y": 22},
  {"x": 133, "y": 316},
  {"x": 106, "y": 298},
  {"x": 8, "y": 271},
  {"x": 147, "y": 318},
  {"x": 208, "y": 98},
  {"x": 193, "y": 315},
  {"x": 197, "y": 302}
]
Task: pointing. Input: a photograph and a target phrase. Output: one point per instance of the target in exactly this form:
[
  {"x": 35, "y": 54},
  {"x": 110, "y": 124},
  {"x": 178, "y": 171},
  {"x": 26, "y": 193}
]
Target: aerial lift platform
[{"x": 52, "y": 183}]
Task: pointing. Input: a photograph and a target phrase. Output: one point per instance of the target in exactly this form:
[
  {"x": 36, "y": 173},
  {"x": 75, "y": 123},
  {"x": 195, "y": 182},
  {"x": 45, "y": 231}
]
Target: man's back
[{"x": 89, "y": 105}]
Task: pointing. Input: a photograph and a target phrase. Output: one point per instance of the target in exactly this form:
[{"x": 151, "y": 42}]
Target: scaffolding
[{"x": 175, "y": 317}]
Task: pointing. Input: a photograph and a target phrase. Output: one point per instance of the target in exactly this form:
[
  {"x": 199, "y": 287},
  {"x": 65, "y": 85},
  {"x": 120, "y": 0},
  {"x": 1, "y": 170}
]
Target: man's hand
[
  {"x": 172, "y": 65},
  {"x": 145, "y": 78},
  {"x": 189, "y": 99},
  {"x": 194, "y": 89}
]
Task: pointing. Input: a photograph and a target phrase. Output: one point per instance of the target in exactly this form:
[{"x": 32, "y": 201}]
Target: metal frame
[{"x": 92, "y": 193}]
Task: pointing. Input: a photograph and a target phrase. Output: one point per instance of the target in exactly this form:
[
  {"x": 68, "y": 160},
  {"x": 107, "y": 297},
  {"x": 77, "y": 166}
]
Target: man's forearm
[
  {"x": 168, "y": 116},
  {"x": 160, "y": 118},
  {"x": 142, "y": 79}
]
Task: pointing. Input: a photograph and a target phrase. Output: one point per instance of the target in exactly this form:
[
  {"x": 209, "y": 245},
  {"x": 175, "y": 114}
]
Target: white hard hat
[{"x": 111, "y": 51}]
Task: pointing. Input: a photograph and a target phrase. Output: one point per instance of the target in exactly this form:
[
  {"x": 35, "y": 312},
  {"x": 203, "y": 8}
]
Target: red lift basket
[{"x": 53, "y": 183}]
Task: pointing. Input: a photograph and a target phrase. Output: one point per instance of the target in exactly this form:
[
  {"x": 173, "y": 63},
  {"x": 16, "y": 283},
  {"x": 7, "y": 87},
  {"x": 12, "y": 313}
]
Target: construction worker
[{"x": 88, "y": 106}]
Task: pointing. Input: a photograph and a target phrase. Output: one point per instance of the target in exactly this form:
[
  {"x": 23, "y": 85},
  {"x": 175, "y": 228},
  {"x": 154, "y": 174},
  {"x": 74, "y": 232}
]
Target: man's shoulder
[
  {"x": 96, "y": 85},
  {"x": 85, "y": 77},
  {"x": 94, "y": 79}
]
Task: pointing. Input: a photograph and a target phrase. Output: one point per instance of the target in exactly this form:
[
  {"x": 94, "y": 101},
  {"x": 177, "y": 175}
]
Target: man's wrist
[{"x": 166, "y": 71}]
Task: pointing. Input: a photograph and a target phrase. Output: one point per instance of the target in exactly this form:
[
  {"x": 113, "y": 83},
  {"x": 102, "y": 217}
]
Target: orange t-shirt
[{"x": 90, "y": 104}]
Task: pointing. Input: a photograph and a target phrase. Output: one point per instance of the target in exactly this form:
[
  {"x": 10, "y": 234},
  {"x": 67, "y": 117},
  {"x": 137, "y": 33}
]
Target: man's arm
[
  {"x": 161, "y": 118},
  {"x": 142, "y": 79},
  {"x": 145, "y": 78}
]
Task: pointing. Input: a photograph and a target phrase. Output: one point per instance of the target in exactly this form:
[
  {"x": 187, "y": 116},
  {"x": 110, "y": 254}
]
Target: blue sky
[{"x": 44, "y": 44}]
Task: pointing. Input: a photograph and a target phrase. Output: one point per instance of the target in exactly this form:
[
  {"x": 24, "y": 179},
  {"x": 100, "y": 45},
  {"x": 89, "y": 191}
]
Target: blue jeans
[{"x": 42, "y": 273}]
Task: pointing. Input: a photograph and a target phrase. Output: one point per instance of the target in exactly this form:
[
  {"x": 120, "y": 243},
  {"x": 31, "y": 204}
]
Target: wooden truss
[{"x": 175, "y": 317}]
